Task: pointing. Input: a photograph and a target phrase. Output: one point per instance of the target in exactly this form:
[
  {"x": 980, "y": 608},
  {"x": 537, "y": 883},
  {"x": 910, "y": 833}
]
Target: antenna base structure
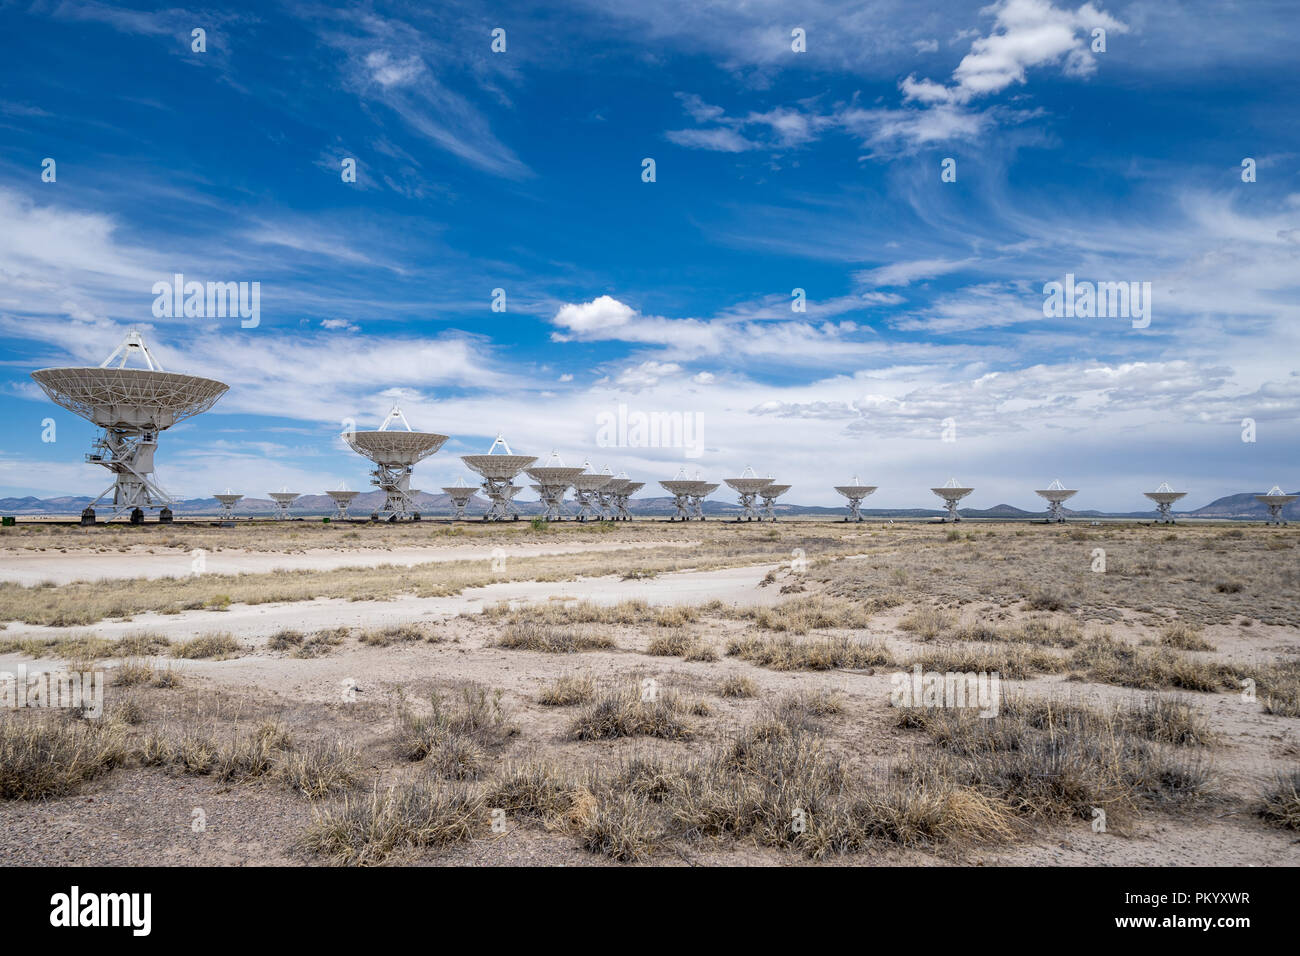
[
  {"x": 498, "y": 472},
  {"x": 952, "y": 492},
  {"x": 748, "y": 486},
  {"x": 131, "y": 406},
  {"x": 587, "y": 486},
  {"x": 1164, "y": 497},
  {"x": 855, "y": 493},
  {"x": 394, "y": 453},
  {"x": 1056, "y": 495},
  {"x": 553, "y": 482},
  {"x": 342, "y": 501},
  {"x": 1275, "y": 500},
  {"x": 460, "y": 494},
  {"x": 283, "y": 500},
  {"x": 628, "y": 489},
  {"x": 700, "y": 491},
  {"x": 228, "y": 500},
  {"x": 769, "y": 496}
]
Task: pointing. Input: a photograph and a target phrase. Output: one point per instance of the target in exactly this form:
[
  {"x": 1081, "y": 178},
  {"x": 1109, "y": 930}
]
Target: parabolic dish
[
  {"x": 855, "y": 491},
  {"x": 949, "y": 492},
  {"x": 129, "y": 397},
  {"x": 1275, "y": 496},
  {"x": 747, "y": 486},
  {"x": 616, "y": 486},
  {"x": 502, "y": 467},
  {"x": 395, "y": 447},
  {"x": 771, "y": 491},
  {"x": 460, "y": 492},
  {"x": 342, "y": 495},
  {"x": 554, "y": 475},
  {"x": 632, "y": 487},
  {"x": 1057, "y": 494},
  {"x": 703, "y": 488},
  {"x": 228, "y": 499},
  {"x": 285, "y": 495},
  {"x": 590, "y": 482},
  {"x": 1165, "y": 497},
  {"x": 679, "y": 486}
]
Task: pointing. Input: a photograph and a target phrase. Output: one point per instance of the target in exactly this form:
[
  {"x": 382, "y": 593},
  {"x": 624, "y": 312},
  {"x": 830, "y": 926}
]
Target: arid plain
[{"x": 653, "y": 693}]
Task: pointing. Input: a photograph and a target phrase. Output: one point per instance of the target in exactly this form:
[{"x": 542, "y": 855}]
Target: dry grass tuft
[
  {"x": 568, "y": 690},
  {"x": 1184, "y": 637},
  {"x": 207, "y": 647},
  {"x": 738, "y": 687},
  {"x": 52, "y": 757},
  {"x": 816, "y": 654},
  {"x": 1280, "y": 805},
  {"x": 623, "y": 713},
  {"x": 551, "y": 639}
]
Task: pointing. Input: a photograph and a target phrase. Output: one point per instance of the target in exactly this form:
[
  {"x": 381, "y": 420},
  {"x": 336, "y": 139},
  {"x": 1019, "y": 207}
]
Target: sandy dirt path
[
  {"x": 29, "y": 568},
  {"x": 731, "y": 585}
]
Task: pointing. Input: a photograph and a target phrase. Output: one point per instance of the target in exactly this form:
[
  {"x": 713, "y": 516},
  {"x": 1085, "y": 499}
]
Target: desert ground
[{"x": 649, "y": 693}]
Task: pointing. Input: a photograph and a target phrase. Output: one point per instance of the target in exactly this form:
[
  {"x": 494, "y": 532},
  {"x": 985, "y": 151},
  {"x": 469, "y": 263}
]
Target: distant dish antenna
[
  {"x": 952, "y": 492},
  {"x": 132, "y": 406},
  {"x": 769, "y": 494},
  {"x": 1276, "y": 500},
  {"x": 460, "y": 494},
  {"x": 283, "y": 499},
  {"x": 342, "y": 499},
  {"x": 855, "y": 492},
  {"x": 586, "y": 491},
  {"x": 607, "y": 493},
  {"x": 680, "y": 488},
  {"x": 498, "y": 471},
  {"x": 395, "y": 453},
  {"x": 748, "y": 485},
  {"x": 1056, "y": 493},
  {"x": 553, "y": 479},
  {"x": 1164, "y": 497},
  {"x": 626, "y": 489},
  {"x": 228, "y": 499},
  {"x": 701, "y": 489}
]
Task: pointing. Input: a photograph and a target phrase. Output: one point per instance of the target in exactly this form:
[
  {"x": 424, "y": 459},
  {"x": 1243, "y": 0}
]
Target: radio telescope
[
  {"x": 1056, "y": 493},
  {"x": 498, "y": 471},
  {"x": 748, "y": 485},
  {"x": 1164, "y": 497},
  {"x": 1276, "y": 500},
  {"x": 283, "y": 499},
  {"x": 680, "y": 488},
  {"x": 342, "y": 500},
  {"x": 605, "y": 494},
  {"x": 460, "y": 494},
  {"x": 553, "y": 480},
  {"x": 951, "y": 493},
  {"x": 628, "y": 489},
  {"x": 585, "y": 489},
  {"x": 700, "y": 490},
  {"x": 132, "y": 406},
  {"x": 395, "y": 453},
  {"x": 228, "y": 499},
  {"x": 855, "y": 493},
  {"x": 769, "y": 494}
]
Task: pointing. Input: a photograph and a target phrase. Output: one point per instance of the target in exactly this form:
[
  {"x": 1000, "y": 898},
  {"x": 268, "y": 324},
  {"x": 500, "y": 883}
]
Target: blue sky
[{"x": 775, "y": 170}]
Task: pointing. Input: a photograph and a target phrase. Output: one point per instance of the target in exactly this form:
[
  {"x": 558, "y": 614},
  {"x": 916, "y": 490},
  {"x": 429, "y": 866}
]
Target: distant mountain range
[{"x": 1240, "y": 506}]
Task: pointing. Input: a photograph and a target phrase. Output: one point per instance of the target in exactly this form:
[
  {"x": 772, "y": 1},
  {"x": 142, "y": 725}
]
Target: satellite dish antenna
[
  {"x": 748, "y": 485},
  {"x": 553, "y": 480},
  {"x": 700, "y": 490},
  {"x": 498, "y": 471},
  {"x": 952, "y": 492},
  {"x": 1055, "y": 493},
  {"x": 769, "y": 494},
  {"x": 460, "y": 494},
  {"x": 626, "y": 489},
  {"x": 855, "y": 492},
  {"x": 227, "y": 499},
  {"x": 1164, "y": 497},
  {"x": 395, "y": 453},
  {"x": 680, "y": 488},
  {"x": 586, "y": 487},
  {"x": 131, "y": 406},
  {"x": 606, "y": 493},
  {"x": 1275, "y": 499},
  {"x": 283, "y": 499},
  {"x": 342, "y": 499}
]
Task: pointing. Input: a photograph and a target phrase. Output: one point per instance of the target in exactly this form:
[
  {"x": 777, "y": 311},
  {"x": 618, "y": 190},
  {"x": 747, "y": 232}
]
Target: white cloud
[{"x": 600, "y": 314}]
